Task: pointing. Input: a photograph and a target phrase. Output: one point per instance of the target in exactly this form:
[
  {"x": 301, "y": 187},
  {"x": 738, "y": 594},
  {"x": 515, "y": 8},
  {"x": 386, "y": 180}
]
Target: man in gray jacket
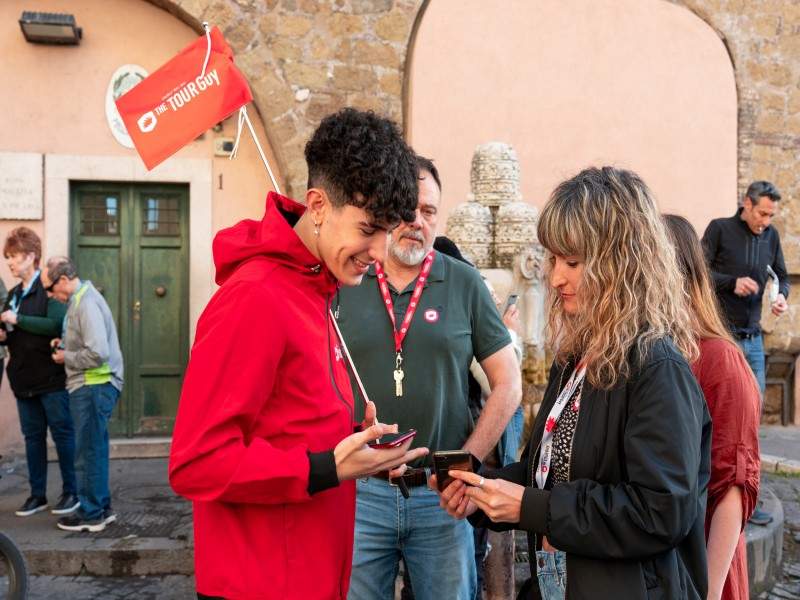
[{"x": 89, "y": 350}]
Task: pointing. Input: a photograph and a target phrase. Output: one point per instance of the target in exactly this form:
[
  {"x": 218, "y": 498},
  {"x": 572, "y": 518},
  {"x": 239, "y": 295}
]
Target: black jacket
[
  {"x": 631, "y": 518},
  {"x": 31, "y": 370},
  {"x": 734, "y": 251}
]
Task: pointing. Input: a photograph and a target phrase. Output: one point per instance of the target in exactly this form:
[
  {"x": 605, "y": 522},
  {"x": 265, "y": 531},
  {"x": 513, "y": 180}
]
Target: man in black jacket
[
  {"x": 741, "y": 250},
  {"x": 745, "y": 257}
]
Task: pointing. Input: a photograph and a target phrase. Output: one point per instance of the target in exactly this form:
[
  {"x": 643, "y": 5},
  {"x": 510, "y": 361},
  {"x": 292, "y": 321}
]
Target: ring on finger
[{"x": 481, "y": 482}]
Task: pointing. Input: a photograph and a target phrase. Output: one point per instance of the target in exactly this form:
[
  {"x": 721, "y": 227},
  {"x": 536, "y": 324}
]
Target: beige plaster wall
[
  {"x": 53, "y": 104},
  {"x": 641, "y": 84}
]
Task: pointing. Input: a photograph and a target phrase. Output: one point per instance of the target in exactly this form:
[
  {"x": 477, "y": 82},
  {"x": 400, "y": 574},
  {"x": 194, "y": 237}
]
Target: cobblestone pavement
[
  {"x": 787, "y": 488},
  {"x": 171, "y": 587},
  {"x": 177, "y": 587}
]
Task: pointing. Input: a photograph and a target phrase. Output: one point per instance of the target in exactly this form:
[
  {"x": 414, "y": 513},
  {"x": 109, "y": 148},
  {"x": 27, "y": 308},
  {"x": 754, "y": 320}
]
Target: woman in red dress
[{"x": 733, "y": 400}]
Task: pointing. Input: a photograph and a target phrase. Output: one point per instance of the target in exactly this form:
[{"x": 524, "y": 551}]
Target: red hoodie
[{"x": 265, "y": 386}]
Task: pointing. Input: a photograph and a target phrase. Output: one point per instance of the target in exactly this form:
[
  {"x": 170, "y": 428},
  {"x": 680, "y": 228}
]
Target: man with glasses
[{"x": 89, "y": 349}]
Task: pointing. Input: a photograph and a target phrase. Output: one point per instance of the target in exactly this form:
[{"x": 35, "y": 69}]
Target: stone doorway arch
[{"x": 641, "y": 84}]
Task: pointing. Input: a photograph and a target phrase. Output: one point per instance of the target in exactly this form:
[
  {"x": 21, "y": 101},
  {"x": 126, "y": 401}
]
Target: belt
[
  {"x": 411, "y": 478},
  {"x": 746, "y": 335}
]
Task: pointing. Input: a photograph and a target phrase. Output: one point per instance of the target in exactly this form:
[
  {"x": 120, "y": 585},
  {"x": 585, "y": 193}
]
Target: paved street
[
  {"x": 782, "y": 445},
  {"x": 787, "y": 488},
  {"x": 171, "y": 587},
  {"x": 144, "y": 500}
]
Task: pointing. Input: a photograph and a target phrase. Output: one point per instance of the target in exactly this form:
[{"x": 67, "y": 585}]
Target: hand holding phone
[
  {"x": 355, "y": 459},
  {"x": 512, "y": 300},
  {"x": 446, "y": 460},
  {"x": 392, "y": 440}
]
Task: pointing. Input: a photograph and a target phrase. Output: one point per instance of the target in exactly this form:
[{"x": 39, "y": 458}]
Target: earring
[{"x": 316, "y": 228}]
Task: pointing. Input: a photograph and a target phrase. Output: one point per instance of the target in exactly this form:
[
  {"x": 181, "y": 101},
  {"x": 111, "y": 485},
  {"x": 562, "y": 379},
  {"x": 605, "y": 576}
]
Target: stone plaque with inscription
[{"x": 21, "y": 186}]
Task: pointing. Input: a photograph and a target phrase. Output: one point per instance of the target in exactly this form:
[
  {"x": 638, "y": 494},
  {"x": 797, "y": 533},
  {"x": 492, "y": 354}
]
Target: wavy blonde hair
[{"x": 631, "y": 292}]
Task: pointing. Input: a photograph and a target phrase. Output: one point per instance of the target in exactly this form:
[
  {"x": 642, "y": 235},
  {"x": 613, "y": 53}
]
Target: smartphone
[
  {"x": 393, "y": 440},
  {"x": 445, "y": 460},
  {"x": 512, "y": 300}
]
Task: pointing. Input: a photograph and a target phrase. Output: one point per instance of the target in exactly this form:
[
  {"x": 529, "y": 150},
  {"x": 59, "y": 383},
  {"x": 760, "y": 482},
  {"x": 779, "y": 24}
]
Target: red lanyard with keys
[{"x": 399, "y": 335}]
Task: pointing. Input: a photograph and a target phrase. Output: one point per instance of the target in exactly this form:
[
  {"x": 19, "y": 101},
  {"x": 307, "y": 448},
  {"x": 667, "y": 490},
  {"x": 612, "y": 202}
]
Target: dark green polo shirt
[{"x": 456, "y": 319}]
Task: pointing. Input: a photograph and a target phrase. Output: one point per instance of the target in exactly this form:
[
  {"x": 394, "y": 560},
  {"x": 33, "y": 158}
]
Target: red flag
[{"x": 174, "y": 105}]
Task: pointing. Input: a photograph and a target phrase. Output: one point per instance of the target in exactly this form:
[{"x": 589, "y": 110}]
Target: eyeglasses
[{"x": 49, "y": 288}]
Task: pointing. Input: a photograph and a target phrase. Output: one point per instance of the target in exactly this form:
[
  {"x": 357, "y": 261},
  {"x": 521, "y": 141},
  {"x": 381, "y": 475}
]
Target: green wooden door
[{"x": 131, "y": 241}]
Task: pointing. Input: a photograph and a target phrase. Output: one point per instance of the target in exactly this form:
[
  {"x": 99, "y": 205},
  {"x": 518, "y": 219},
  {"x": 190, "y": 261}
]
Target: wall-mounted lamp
[{"x": 50, "y": 28}]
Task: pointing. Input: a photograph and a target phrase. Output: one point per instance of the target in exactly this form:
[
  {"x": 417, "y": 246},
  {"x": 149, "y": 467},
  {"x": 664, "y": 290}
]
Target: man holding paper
[
  {"x": 740, "y": 250},
  {"x": 744, "y": 256}
]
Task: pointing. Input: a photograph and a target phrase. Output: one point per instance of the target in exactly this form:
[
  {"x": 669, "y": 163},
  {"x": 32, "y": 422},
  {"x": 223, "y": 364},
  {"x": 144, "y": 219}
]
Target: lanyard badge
[{"x": 546, "y": 454}]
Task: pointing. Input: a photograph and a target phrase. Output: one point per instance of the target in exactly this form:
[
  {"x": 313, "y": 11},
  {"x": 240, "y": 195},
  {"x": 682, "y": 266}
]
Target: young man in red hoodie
[{"x": 263, "y": 443}]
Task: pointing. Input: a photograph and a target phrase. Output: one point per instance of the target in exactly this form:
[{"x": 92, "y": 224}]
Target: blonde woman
[
  {"x": 734, "y": 401},
  {"x": 612, "y": 486}
]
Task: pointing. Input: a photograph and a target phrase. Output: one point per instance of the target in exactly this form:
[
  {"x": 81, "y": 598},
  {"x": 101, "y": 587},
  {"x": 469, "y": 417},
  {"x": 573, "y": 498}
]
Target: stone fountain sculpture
[{"x": 496, "y": 230}]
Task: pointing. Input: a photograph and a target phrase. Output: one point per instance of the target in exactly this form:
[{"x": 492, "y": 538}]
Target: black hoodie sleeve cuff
[
  {"x": 321, "y": 472},
  {"x": 534, "y": 509}
]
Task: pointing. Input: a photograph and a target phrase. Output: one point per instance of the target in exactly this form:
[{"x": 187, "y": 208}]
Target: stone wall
[
  {"x": 307, "y": 58},
  {"x": 763, "y": 39}
]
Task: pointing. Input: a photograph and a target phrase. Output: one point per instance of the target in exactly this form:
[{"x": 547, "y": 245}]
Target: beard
[{"x": 411, "y": 256}]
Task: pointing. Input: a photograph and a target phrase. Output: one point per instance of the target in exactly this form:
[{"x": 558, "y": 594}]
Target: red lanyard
[
  {"x": 399, "y": 336},
  {"x": 383, "y": 284}
]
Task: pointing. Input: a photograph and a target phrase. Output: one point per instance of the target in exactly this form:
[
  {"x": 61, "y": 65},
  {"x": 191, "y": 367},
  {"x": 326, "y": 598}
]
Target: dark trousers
[{"x": 36, "y": 414}]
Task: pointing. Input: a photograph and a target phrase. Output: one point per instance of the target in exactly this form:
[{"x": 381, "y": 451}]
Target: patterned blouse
[{"x": 562, "y": 439}]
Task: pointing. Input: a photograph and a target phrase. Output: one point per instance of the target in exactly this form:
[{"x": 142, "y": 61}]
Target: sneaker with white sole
[
  {"x": 77, "y": 522},
  {"x": 109, "y": 516},
  {"x": 67, "y": 504},
  {"x": 33, "y": 505}
]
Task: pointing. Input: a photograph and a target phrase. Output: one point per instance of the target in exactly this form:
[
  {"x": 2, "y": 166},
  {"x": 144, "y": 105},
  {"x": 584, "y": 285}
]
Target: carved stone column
[
  {"x": 497, "y": 232},
  {"x": 470, "y": 226}
]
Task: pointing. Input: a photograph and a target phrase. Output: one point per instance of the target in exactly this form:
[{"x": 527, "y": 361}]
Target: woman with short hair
[
  {"x": 611, "y": 488},
  {"x": 28, "y": 321},
  {"x": 734, "y": 401}
]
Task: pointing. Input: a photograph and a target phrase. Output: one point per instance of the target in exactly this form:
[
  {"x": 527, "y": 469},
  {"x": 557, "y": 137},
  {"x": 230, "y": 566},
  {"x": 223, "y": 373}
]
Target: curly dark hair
[{"x": 361, "y": 159}]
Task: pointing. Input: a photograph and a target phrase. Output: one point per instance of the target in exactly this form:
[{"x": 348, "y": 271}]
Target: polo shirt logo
[{"x": 431, "y": 315}]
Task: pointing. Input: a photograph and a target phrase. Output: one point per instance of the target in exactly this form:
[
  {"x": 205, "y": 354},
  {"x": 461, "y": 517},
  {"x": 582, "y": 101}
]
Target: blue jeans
[
  {"x": 91, "y": 407},
  {"x": 36, "y": 414},
  {"x": 551, "y": 571},
  {"x": 437, "y": 549},
  {"x": 510, "y": 440},
  {"x": 754, "y": 353}
]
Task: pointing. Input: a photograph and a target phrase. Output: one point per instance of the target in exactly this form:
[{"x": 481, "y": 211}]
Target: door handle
[{"x": 137, "y": 310}]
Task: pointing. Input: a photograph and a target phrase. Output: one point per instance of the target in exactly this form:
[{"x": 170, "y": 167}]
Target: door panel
[
  {"x": 131, "y": 241},
  {"x": 97, "y": 248},
  {"x": 161, "y": 287}
]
